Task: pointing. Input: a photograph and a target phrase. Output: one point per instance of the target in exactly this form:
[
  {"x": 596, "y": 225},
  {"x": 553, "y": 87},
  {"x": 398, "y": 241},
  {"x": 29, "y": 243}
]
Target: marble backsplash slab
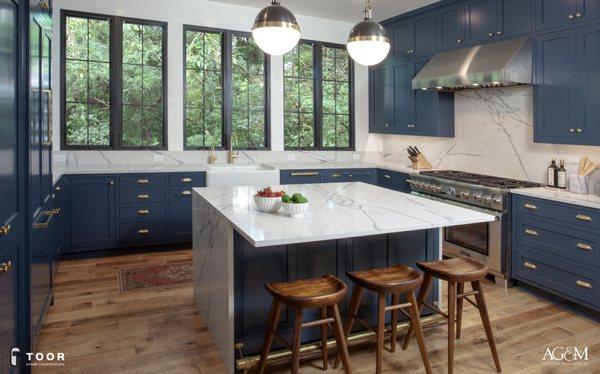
[{"x": 494, "y": 135}]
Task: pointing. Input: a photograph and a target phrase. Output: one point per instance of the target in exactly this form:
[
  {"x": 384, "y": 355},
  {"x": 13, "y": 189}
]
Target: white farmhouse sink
[{"x": 241, "y": 175}]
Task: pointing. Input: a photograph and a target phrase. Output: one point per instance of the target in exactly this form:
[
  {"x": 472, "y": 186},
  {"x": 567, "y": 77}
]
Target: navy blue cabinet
[
  {"x": 415, "y": 35},
  {"x": 9, "y": 305},
  {"x": 301, "y": 176},
  {"x": 180, "y": 204},
  {"x": 565, "y": 13},
  {"x": 393, "y": 180},
  {"x": 482, "y": 21},
  {"x": 92, "y": 212},
  {"x": 515, "y": 17},
  {"x": 567, "y": 87},
  {"x": 555, "y": 248},
  {"x": 381, "y": 98},
  {"x": 354, "y": 175},
  {"x": 451, "y": 26}
]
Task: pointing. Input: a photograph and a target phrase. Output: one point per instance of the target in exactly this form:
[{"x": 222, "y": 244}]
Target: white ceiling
[{"x": 341, "y": 10}]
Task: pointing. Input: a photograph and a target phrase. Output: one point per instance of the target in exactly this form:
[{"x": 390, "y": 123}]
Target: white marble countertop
[
  {"x": 590, "y": 201},
  {"x": 59, "y": 170},
  {"x": 337, "y": 210}
]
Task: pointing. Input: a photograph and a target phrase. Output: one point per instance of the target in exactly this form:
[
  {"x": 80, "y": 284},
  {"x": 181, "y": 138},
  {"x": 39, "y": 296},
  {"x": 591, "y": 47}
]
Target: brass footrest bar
[{"x": 314, "y": 349}]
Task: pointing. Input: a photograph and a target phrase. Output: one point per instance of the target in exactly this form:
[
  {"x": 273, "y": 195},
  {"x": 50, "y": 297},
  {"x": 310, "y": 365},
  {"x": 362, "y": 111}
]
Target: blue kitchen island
[{"x": 349, "y": 226}]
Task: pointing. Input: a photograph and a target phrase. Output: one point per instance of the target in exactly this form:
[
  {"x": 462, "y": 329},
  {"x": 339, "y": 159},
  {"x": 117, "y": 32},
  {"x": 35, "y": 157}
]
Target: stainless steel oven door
[{"x": 482, "y": 242}]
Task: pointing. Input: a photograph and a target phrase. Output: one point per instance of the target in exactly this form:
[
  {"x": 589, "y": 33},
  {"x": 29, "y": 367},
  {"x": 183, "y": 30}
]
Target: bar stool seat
[
  {"x": 322, "y": 293},
  {"x": 455, "y": 269},
  {"x": 308, "y": 293},
  {"x": 396, "y": 280},
  {"x": 457, "y": 272}
]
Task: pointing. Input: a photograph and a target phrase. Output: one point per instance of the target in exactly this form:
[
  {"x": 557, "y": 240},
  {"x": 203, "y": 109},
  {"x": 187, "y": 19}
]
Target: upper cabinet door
[
  {"x": 555, "y": 87},
  {"x": 555, "y": 13},
  {"x": 381, "y": 98},
  {"x": 483, "y": 21},
  {"x": 515, "y": 17},
  {"x": 587, "y": 10},
  {"x": 451, "y": 26},
  {"x": 424, "y": 33},
  {"x": 403, "y": 39},
  {"x": 588, "y": 63},
  {"x": 404, "y": 97}
]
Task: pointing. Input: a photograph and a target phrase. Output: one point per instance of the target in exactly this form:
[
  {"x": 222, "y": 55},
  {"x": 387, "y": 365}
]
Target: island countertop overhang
[{"x": 337, "y": 211}]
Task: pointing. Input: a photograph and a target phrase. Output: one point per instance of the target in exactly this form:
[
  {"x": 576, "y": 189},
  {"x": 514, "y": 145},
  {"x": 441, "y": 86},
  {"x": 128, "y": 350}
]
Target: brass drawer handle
[
  {"x": 529, "y": 265},
  {"x": 186, "y": 193},
  {"x": 336, "y": 175},
  {"x": 350, "y": 175},
  {"x": 143, "y": 232},
  {"x": 583, "y": 217},
  {"x": 5, "y": 267},
  {"x": 531, "y": 232},
  {"x": 143, "y": 181},
  {"x": 186, "y": 180},
  {"x": 57, "y": 189},
  {"x": 583, "y": 284},
  {"x": 56, "y": 211},
  {"x": 5, "y": 230},
  {"x": 530, "y": 206},
  {"x": 305, "y": 174},
  {"x": 584, "y": 247},
  {"x": 387, "y": 176},
  {"x": 143, "y": 196},
  {"x": 46, "y": 223},
  {"x": 143, "y": 212}
]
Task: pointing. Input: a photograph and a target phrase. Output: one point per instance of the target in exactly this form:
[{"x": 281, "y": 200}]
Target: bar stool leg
[
  {"x": 394, "y": 327},
  {"x": 340, "y": 338},
  {"x": 423, "y": 293},
  {"x": 268, "y": 341},
  {"x": 451, "y": 324},
  {"x": 297, "y": 341},
  {"x": 324, "y": 338},
  {"x": 415, "y": 320},
  {"x": 485, "y": 318},
  {"x": 460, "y": 288},
  {"x": 357, "y": 293},
  {"x": 380, "y": 330}
]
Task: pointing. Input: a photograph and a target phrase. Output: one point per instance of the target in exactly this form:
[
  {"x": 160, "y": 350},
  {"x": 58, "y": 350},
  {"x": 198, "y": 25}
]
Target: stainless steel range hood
[{"x": 507, "y": 63}]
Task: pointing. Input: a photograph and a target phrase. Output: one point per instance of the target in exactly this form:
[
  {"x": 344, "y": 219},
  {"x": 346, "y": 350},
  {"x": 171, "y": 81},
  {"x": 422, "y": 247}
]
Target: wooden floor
[{"x": 159, "y": 331}]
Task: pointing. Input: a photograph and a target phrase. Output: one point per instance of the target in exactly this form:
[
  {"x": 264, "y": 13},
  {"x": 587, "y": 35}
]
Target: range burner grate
[{"x": 480, "y": 179}]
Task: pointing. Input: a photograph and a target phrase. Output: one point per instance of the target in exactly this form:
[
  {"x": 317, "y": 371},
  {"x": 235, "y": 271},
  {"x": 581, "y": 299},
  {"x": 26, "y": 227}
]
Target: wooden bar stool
[
  {"x": 395, "y": 280},
  {"x": 317, "y": 293},
  {"x": 457, "y": 271}
]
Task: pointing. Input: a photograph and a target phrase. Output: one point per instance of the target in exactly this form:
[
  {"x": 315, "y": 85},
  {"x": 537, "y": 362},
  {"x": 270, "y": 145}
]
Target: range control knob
[
  {"x": 497, "y": 200},
  {"x": 477, "y": 197},
  {"x": 451, "y": 191},
  {"x": 466, "y": 195},
  {"x": 487, "y": 199},
  {"x": 438, "y": 188}
]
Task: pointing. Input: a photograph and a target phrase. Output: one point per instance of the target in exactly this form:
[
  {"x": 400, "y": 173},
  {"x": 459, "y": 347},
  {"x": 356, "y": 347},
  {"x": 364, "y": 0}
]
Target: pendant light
[
  {"x": 275, "y": 29},
  {"x": 368, "y": 43}
]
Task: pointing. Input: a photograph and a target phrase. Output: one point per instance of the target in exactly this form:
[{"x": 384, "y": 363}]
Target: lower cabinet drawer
[
  {"x": 569, "y": 281},
  {"x": 393, "y": 180},
  {"x": 143, "y": 232},
  {"x": 143, "y": 197},
  {"x": 577, "y": 246},
  {"x": 300, "y": 176},
  {"x": 142, "y": 212}
]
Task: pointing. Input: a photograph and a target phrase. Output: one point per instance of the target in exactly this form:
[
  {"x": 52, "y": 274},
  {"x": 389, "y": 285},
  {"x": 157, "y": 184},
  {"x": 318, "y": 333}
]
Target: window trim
[
  {"x": 116, "y": 80},
  {"x": 318, "y": 99},
  {"x": 227, "y": 93}
]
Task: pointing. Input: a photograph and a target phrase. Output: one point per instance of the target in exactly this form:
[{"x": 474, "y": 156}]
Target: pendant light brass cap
[{"x": 276, "y": 15}]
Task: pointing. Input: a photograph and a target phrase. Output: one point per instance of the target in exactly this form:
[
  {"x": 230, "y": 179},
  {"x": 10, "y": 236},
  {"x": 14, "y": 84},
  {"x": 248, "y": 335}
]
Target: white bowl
[
  {"x": 267, "y": 204},
  {"x": 294, "y": 210}
]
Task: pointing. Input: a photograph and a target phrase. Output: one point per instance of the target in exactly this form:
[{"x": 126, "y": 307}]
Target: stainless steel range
[{"x": 486, "y": 242}]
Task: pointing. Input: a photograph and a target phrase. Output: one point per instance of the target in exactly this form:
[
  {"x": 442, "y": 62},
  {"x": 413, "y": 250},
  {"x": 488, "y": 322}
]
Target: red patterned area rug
[{"x": 143, "y": 277}]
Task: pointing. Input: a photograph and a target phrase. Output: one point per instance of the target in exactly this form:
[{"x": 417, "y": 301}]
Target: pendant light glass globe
[
  {"x": 275, "y": 29},
  {"x": 368, "y": 43}
]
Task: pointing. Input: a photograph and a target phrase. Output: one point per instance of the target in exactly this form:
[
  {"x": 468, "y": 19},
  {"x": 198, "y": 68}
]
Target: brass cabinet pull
[
  {"x": 387, "y": 176},
  {"x": 350, "y": 175},
  {"x": 583, "y": 217},
  {"x": 583, "y": 284},
  {"x": 336, "y": 175},
  {"x": 143, "y": 181},
  {"x": 45, "y": 5},
  {"x": 531, "y": 232},
  {"x": 143, "y": 212},
  {"x": 305, "y": 174},
  {"x": 143, "y": 232},
  {"x": 56, "y": 211},
  {"x": 571, "y": 16},
  {"x": 584, "y": 247},
  {"x": 578, "y": 15},
  {"x": 46, "y": 223},
  {"x": 143, "y": 196},
  {"x": 186, "y": 180},
  {"x": 529, "y": 265},
  {"x": 530, "y": 206},
  {"x": 5, "y": 230},
  {"x": 186, "y": 193},
  {"x": 57, "y": 189},
  {"x": 5, "y": 267},
  {"x": 111, "y": 183}
]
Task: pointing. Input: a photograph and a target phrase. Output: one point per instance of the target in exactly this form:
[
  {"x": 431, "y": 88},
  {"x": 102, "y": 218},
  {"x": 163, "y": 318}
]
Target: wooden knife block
[{"x": 420, "y": 162}]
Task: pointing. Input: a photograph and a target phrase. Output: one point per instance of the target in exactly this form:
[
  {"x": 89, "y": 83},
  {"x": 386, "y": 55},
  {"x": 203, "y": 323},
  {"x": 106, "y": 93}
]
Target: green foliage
[{"x": 336, "y": 98}]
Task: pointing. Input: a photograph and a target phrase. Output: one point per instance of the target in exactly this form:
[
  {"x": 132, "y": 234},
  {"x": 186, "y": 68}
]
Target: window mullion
[
  {"x": 116, "y": 82},
  {"x": 227, "y": 87},
  {"x": 318, "y": 94}
]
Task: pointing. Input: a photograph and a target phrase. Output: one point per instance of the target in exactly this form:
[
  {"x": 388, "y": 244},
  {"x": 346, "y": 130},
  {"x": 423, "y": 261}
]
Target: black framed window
[
  {"x": 203, "y": 88},
  {"x": 114, "y": 78},
  {"x": 318, "y": 90},
  {"x": 226, "y": 90}
]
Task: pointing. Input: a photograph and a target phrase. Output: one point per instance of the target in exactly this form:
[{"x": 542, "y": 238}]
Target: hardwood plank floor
[{"x": 159, "y": 331}]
